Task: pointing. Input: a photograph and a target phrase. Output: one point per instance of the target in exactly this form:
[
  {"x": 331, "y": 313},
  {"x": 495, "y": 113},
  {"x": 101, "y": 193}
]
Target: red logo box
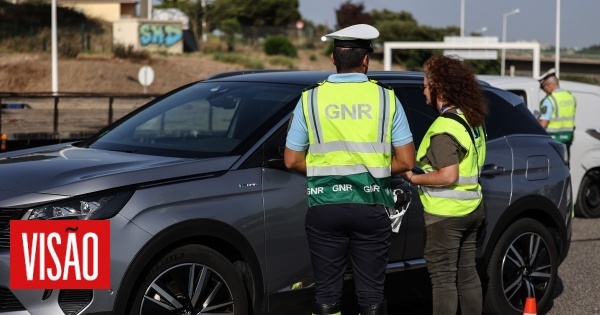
[{"x": 59, "y": 254}]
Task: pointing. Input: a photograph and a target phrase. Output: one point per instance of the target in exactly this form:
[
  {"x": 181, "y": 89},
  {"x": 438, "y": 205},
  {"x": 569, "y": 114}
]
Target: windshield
[{"x": 208, "y": 119}]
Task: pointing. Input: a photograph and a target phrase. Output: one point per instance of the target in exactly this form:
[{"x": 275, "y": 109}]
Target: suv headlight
[{"x": 97, "y": 206}]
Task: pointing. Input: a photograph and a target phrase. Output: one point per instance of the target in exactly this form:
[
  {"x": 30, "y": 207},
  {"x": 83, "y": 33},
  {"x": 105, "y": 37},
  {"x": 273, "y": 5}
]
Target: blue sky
[{"x": 579, "y": 19}]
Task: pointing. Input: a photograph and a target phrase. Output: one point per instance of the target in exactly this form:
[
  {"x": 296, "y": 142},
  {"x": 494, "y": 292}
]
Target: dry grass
[{"x": 103, "y": 73}]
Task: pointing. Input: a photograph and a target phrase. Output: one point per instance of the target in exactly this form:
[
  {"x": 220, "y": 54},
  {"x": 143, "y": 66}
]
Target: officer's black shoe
[
  {"x": 378, "y": 309},
  {"x": 326, "y": 309}
]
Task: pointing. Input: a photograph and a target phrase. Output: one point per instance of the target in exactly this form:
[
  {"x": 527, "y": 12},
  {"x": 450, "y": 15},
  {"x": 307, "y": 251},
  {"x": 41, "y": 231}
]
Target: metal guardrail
[
  {"x": 54, "y": 100},
  {"x": 550, "y": 55}
]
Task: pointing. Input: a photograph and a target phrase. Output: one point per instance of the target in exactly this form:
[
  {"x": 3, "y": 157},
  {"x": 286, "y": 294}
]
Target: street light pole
[
  {"x": 462, "y": 18},
  {"x": 557, "y": 44},
  {"x": 506, "y": 15}
]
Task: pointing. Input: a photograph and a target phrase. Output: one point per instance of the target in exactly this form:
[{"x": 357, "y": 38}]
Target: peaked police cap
[
  {"x": 545, "y": 76},
  {"x": 355, "y": 36}
]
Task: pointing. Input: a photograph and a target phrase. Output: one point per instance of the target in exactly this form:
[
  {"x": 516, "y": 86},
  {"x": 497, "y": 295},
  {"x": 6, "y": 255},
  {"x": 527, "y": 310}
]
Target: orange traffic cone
[{"x": 530, "y": 308}]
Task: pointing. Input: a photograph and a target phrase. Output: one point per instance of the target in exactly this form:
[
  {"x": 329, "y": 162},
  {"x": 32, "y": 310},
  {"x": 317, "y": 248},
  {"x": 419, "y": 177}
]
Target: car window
[
  {"x": 508, "y": 115},
  {"x": 521, "y": 94},
  {"x": 208, "y": 119},
  {"x": 420, "y": 115},
  {"x": 195, "y": 117}
]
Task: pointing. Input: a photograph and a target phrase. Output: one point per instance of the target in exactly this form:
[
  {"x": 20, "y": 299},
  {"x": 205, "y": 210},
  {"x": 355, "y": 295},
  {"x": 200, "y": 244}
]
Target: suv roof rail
[{"x": 240, "y": 72}]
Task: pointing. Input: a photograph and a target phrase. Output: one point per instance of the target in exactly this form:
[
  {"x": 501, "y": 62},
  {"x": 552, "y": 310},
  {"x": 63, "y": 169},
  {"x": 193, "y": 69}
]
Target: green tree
[
  {"x": 387, "y": 15},
  {"x": 254, "y": 14},
  {"x": 230, "y": 27},
  {"x": 401, "y": 26},
  {"x": 349, "y": 14},
  {"x": 594, "y": 49},
  {"x": 485, "y": 66},
  {"x": 279, "y": 45}
]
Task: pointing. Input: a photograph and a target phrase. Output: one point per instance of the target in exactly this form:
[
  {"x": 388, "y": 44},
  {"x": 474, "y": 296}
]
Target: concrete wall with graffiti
[{"x": 149, "y": 35}]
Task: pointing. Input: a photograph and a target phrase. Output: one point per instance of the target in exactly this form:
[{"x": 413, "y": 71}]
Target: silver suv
[{"x": 205, "y": 218}]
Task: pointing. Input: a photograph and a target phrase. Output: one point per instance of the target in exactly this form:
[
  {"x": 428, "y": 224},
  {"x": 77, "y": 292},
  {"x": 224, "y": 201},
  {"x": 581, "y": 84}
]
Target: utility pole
[
  {"x": 557, "y": 48},
  {"x": 462, "y": 18},
  {"x": 54, "y": 50}
]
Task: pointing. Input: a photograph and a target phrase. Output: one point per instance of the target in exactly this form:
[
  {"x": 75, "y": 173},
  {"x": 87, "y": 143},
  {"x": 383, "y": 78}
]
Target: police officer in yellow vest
[
  {"x": 451, "y": 155},
  {"x": 557, "y": 110},
  {"x": 349, "y": 135}
]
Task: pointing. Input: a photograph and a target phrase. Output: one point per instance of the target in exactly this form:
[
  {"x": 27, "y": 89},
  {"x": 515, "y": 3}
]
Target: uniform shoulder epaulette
[
  {"x": 383, "y": 85},
  {"x": 313, "y": 86}
]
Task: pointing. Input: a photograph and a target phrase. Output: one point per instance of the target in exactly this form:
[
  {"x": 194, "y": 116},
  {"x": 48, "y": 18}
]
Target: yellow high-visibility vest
[
  {"x": 562, "y": 122},
  {"x": 464, "y": 196},
  {"x": 349, "y": 132}
]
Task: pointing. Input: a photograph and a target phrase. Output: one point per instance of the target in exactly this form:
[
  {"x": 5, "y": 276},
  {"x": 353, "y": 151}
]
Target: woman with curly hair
[{"x": 451, "y": 155}]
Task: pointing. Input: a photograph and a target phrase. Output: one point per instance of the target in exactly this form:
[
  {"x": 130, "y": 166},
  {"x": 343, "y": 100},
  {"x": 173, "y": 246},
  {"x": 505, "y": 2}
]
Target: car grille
[
  {"x": 72, "y": 302},
  {"x": 5, "y": 216},
  {"x": 8, "y": 301}
]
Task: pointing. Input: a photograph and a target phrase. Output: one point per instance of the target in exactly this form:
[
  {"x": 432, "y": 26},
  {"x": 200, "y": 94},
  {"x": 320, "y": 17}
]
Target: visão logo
[{"x": 61, "y": 254}]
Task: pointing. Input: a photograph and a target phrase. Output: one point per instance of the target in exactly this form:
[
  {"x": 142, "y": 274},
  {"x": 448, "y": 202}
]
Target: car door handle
[{"x": 492, "y": 170}]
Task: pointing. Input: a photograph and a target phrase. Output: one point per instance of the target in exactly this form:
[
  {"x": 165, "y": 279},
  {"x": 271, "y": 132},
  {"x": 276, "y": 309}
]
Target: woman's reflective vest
[
  {"x": 349, "y": 133},
  {"x": 464, "y": 196},
  {"x": 562, "y": 122}
]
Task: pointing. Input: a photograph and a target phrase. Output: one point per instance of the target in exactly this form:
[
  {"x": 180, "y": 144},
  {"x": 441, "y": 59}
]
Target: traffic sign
[
  {"x": 146, "y": 76},
  {"x": 477, "y": 54}
]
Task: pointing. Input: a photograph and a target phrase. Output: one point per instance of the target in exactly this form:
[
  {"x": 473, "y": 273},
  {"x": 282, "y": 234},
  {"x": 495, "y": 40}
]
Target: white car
[{"x": 585, "y": 150}]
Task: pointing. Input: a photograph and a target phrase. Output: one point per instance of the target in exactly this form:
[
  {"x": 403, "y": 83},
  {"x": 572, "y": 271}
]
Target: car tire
[
  {"x": 524, "y": 263},
  {"x": 588, "y": 199},
  {"x": 191, "y": 279}
]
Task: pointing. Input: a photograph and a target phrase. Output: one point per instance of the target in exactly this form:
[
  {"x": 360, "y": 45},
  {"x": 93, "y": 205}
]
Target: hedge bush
[
  {"x": 129, "y": 52},
  {"x": 279, "y": 45}
]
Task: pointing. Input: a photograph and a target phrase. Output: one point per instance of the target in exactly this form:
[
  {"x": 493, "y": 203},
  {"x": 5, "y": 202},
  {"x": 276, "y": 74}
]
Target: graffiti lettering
[{"x": 160, "y": 35}]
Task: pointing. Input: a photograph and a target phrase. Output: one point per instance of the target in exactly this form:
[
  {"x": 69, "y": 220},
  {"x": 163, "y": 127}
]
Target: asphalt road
[{"x": 576, "y": 291}]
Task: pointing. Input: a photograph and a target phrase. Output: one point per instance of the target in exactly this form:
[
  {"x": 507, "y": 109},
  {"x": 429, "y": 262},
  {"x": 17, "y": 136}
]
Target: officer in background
[
  {"x": 341, "y": 135},
  {"x": 557, "y": 110}
]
